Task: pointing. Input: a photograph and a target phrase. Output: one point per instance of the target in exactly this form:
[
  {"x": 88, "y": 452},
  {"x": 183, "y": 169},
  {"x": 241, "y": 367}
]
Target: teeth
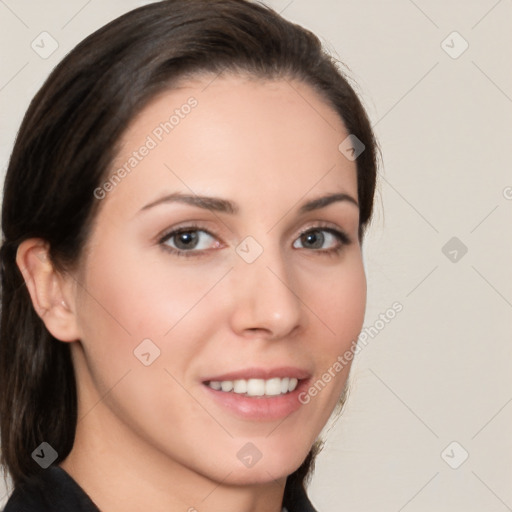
[
  {"x": 226, "y": 385},
  {"x": 256, "y": 387},
  {"x": 215, "y": 384},
  {"x": 273, "y": 387},
  {"x": 240, "y": 386}
]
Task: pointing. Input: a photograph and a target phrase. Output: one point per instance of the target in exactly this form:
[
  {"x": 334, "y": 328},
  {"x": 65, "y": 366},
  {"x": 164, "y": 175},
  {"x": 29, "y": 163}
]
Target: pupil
[
  {"x": 186, "y": 240},
  {"x": 313, "y": 239}
]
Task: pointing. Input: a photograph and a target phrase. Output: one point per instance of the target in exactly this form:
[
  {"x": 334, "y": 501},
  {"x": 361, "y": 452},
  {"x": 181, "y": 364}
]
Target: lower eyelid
[
  {"x": 341, "y": 237},
  {"x": 177, "y": 232}
]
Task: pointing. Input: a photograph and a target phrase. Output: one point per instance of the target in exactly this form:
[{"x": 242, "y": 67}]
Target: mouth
[
  {"x": 256, "y": 387},
  {"x": 259, "y": 394}
]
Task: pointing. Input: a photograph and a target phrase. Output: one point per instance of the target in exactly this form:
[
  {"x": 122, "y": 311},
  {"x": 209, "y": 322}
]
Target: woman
[{"x": 183, "y": 216}]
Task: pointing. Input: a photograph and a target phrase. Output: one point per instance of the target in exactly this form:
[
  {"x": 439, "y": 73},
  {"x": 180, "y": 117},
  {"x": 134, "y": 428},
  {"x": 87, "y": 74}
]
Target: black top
[{"x": 54, "y": 490}]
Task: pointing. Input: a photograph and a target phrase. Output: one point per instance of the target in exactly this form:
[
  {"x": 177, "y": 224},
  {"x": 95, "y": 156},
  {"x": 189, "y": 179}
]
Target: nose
[{"x": 266, "y": 302}]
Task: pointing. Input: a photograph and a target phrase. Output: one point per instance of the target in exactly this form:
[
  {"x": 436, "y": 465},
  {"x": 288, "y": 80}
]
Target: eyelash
[{"x": 341, "y": 236}]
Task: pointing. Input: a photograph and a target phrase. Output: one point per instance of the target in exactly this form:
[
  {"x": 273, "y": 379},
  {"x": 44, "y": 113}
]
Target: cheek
[
  {"x": 339, "y": 301},
  {"x": 125, "y": 301}
]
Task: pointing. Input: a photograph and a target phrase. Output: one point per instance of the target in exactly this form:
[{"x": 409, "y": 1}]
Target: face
[{"x": 223, "y": 278}]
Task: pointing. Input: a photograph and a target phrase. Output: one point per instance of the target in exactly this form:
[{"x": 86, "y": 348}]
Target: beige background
[{"x": 438, "y": 372}]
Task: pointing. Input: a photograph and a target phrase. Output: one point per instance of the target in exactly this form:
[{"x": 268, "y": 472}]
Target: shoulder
[
  {"x": 53, "y": 489},
  {"x": 50, "y": 490}
]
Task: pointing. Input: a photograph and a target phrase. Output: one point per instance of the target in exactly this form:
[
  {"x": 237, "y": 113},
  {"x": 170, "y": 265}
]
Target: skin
[{"x": 150, "y": 437}]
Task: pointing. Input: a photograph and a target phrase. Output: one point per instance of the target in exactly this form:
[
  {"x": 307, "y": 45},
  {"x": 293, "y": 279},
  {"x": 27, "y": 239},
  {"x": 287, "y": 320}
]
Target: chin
[{"x": 275, "y": 466}]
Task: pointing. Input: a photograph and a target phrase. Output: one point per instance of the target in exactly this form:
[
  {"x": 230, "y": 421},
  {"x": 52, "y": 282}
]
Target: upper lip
[{"x": 261, "y": 373}]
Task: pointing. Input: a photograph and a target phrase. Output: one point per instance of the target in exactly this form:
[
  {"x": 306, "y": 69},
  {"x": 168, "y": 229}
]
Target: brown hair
[{"x": 67, "y": 141}]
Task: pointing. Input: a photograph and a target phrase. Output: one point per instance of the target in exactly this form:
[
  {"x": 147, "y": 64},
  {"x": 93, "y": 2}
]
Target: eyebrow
[
  {"x": 324, "y": 201},
  {"x": 225, "y": 206}
]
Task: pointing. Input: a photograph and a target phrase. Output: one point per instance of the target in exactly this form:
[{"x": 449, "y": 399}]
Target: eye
[
  {"x": 189, "y": 240},
  {"x": 321, "y": 239}
]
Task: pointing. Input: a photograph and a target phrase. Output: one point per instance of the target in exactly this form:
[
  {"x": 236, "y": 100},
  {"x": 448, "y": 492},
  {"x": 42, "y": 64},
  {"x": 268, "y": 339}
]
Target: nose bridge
[{"x": 265, "y": 297}]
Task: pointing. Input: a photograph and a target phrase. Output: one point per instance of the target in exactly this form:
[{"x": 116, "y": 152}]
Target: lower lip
[{"x": 259, "y": 407}]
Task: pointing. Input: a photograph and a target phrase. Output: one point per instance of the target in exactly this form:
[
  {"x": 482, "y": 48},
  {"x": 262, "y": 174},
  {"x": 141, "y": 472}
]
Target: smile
[
  {"x": 256, "y": 387},
  {"x": 258, "y": 393}
]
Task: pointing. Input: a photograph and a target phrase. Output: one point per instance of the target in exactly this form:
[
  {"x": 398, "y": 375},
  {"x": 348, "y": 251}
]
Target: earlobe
[{"x": 50, "y": 291}]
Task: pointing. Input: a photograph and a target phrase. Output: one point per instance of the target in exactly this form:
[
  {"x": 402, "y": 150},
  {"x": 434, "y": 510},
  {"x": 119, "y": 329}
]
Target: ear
[{"x": 51, "y": 292}]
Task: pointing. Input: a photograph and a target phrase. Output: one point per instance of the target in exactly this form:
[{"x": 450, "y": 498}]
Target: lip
[
  {"x": 262, "y": 373},
  {"x": 259, "y": 408}
]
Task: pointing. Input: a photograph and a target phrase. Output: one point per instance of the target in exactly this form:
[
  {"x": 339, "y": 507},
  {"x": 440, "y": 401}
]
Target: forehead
[{"x": 235, "y": 136}]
